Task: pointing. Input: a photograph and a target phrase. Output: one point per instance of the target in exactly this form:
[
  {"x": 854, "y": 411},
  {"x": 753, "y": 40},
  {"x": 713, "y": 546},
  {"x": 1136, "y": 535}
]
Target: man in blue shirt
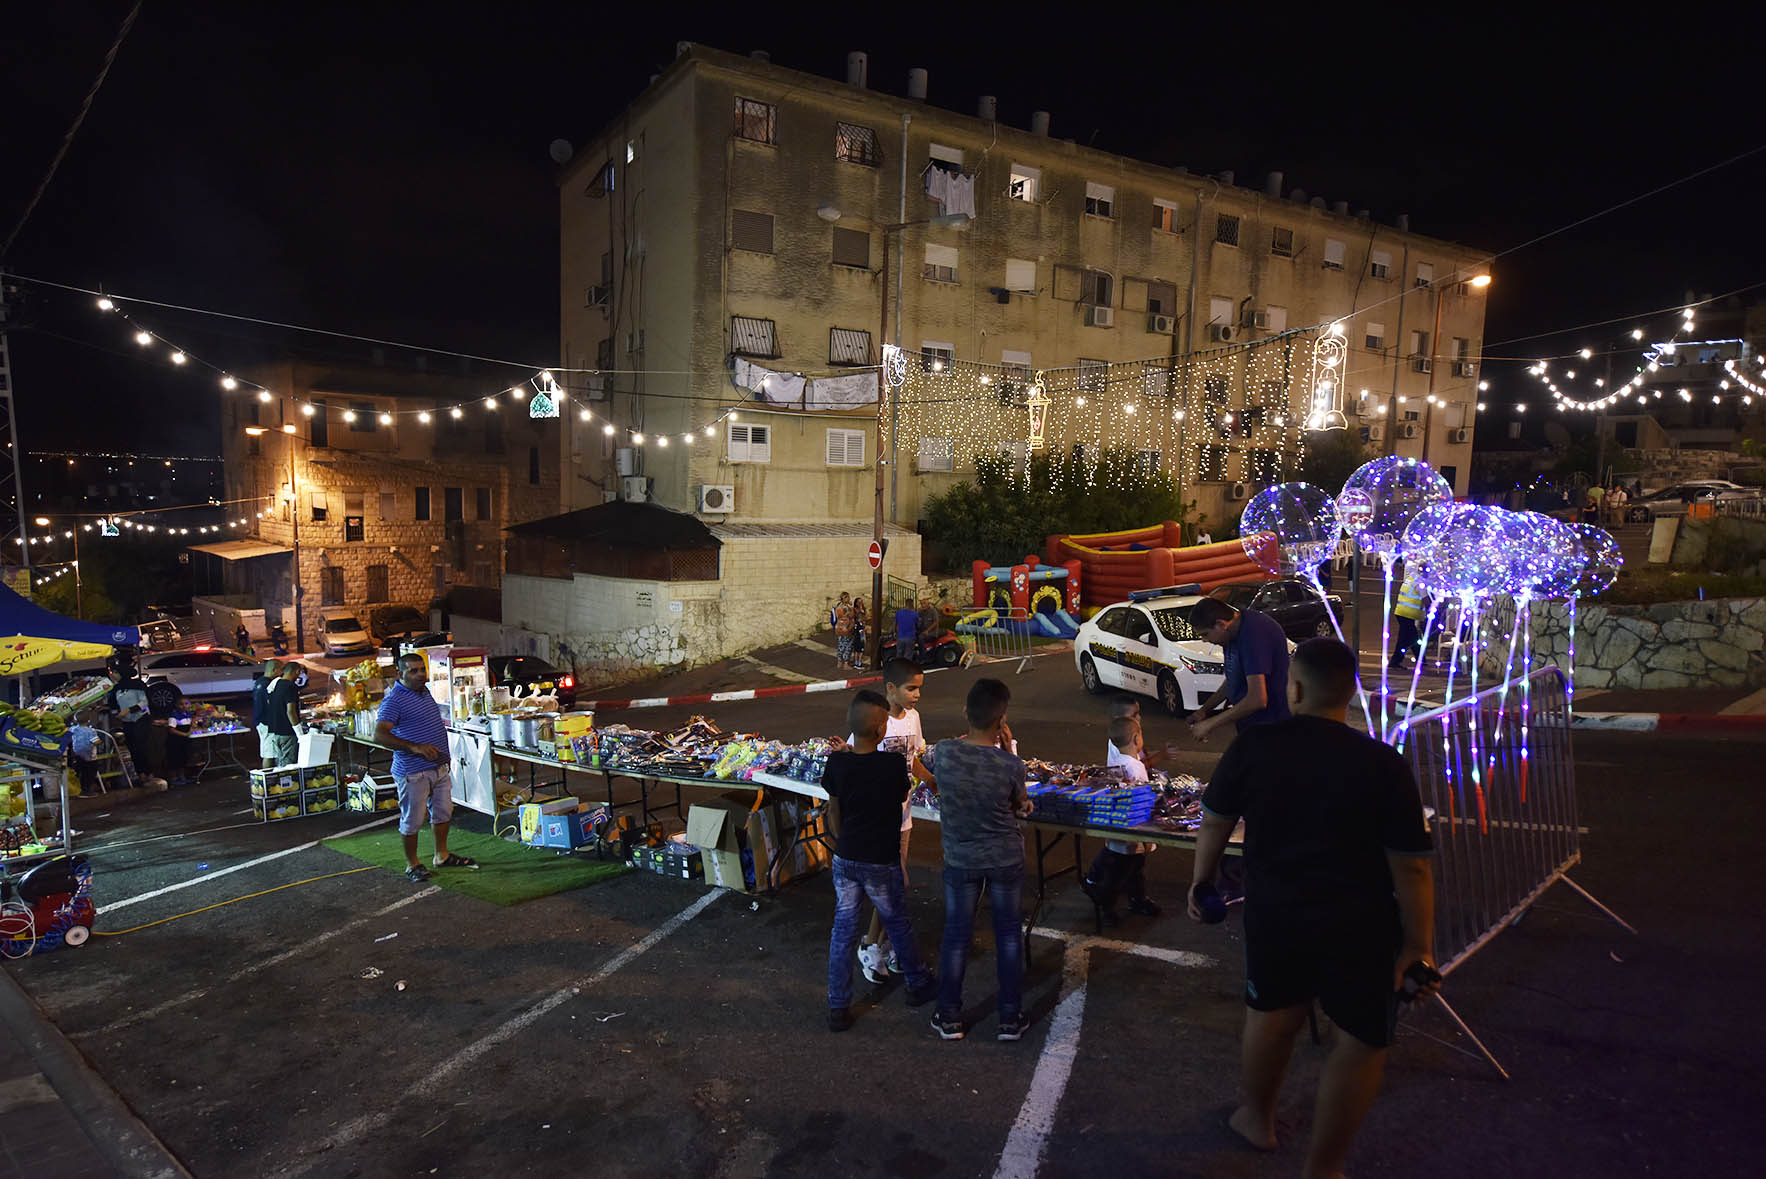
[
  {"x": 907, "y": 631},
  {"x": 1256, "y": 686},
  {"x": 410, "y": 724}
]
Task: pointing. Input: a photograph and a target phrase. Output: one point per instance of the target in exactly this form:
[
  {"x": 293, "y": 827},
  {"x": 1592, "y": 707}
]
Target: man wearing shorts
[
  {"x": 1339, "y": 896},
  {"x": 260, "y": 708},
  {"x": 410, "y": 723},
  {"x": 281, "y": 718}
]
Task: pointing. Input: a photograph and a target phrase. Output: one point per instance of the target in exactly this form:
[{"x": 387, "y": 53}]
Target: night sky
[{"x": 383, "y": 170}]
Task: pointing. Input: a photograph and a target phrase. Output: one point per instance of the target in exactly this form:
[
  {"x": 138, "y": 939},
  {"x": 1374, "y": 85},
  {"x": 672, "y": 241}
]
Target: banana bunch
[{"x": 46, "y": 723}]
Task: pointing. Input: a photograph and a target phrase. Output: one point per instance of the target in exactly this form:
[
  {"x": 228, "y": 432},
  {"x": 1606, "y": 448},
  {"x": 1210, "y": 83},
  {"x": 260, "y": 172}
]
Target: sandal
[
  {"x": 415, "y": 874},
  {"x": 454, "y": 861}
]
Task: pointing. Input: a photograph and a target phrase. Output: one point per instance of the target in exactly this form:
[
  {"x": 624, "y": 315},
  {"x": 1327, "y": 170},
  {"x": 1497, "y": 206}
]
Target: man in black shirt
[
  {"x": 870, "y": 787},
  {"x": 1339, "y": 897}
]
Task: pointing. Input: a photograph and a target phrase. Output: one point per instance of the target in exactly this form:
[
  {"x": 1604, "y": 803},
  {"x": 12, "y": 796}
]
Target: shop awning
[{"x": 240, "y": 550}]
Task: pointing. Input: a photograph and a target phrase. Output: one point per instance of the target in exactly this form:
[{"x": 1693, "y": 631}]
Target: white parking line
[
  {"x": 442, "y": 1073},
  {"x": 216, "y": 875},
  {"x": 305, "y": 947}
]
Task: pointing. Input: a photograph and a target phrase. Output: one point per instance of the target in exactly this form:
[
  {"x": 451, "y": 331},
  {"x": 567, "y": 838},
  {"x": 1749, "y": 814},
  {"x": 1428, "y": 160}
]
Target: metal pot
[
  {"x": 527, "y": 734},
  {"x": 503, "y": 728}
]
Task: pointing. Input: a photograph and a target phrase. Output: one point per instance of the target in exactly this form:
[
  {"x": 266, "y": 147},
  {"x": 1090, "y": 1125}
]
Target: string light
[
  {"x": 143, "y": 338},
  {"x": 229, "y": 384},
  {"x": 423, "y": 416},
  {"x": 607, "y": 429}
]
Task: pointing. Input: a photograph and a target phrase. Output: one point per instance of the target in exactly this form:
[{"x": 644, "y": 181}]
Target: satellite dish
[
  {"x": 828, "y": 211},
  {"x": 561, "y": 151}
]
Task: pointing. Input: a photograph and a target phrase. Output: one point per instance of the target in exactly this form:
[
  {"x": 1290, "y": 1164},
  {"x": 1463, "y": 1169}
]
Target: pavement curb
[
  {"x": 112, "y": 1127},
  {"x": 721, "y": 697},
  {"x": 1680, "y": 722}
]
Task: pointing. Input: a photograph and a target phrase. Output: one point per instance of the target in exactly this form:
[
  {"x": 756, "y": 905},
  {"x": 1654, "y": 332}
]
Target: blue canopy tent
[{"x": 21, "y": 616}]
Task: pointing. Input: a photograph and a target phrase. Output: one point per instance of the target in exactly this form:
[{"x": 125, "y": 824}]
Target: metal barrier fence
[
  {"x": 997, "y": 636},
  {"x": 1499, "y": 784}
]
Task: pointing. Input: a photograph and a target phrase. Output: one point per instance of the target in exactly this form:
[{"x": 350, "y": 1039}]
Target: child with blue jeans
[
  {"x": 870, "y": 787},
  {"x": 981, "y": 798}
]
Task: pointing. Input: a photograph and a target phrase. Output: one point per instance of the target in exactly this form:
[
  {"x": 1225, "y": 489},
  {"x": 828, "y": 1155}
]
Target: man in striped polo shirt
[{"x": 410, "y": 723}]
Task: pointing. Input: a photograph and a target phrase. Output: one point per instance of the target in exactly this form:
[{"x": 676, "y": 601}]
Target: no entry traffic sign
[{"x": 874, "y": 554}]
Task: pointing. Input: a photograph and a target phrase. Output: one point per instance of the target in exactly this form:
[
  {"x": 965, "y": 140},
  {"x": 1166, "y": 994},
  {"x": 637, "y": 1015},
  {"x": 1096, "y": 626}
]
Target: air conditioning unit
[
  {"x": 1460, "y": 436},
  {"x": 1238, "y": 491},
  {"x": 1420, "y": 364},
  {"x": 599, "y": 296},
  {"x": 1222, "y": 333},
  {"x": 1465, "y": 368},
  {"x": 1096, "y": 316},
  {"x": 1409, "y": 429},
  {"x": 635, "y": 488},
  {"x": 1376, "y": 432},
  {"x": 717, "y": 500},
  {"x": 627, "y": 460},
  {"x": 1257, "y": 320},
  {"x": 1161, "y": 323}
]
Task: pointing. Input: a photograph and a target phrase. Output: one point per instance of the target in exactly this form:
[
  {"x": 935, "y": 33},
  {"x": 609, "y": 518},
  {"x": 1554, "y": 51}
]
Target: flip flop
[{"x": 454, "y": 861}]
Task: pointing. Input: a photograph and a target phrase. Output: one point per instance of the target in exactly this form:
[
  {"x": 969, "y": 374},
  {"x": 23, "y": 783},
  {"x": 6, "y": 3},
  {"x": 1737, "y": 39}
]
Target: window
[
  {"x": 604, "y": 354},
  {"x": 941, "y": 263},
  {"x": 331, "y": 586},
  {"x": 1100, "y": 199},
  {"x": 936, "y": 356},
  {"x": 1092, "y": 374},
  {"x": 1456, "y": 414},
  {"x": 1462, "y": 349},
  {"x": 1375, "y": 338},
  {"x": 533, "y": 466},
  {"x": 321, "y": 433},
  {"x": 852, "y": 247},
  {"x": 352, "y": 528},
  {"x": 1263, "y": 467},
  {"x": 1226, "y": 229},
  {"x": 602, "y": 182},
  {"x": 388, "y": 505},
  {"x": 321, "y": 507},
  {"x": 1220, "y": 310},
  {"x": 755, "y": 121},
  {"x": 364, "y": 422},
  {"x": 1278, "y": 318},
  {"x": 1021, "y": 275},
  {"x": 1098, "y": 289},
  {"x": 1425, "y": 273},
  {"x": 1211, "y": 463},
  {"x": 948, "y": 155},
  {"x": 1419, "y": 343},
  {"x": 1333, "y": 254},
  {"x": 377, "y": 588},
  {"x": 421, "y": 511},
  {"x": 353, "y": 503},
  {"x": 1379, "y": 264},
  {"x": 751, "y": 231},
  {"x": 1514, "y": 429},
  {"x": 846, "y": 448},
  {"x": 1146, "y": 462},
  {"x": 493, "y": 432},
  {"x": 453, "y": 504},
  {"x": 750, "y": 444},
  {"x": 1450, "y": 472},
  {"x": 849, "y": 346},
  {"x": 854, "y": 144},
  {"x": 481, "y": 497},
  {"x": 1024, "y": 185},
  {"x": 1164, "y": 215},
  {"x": 937, "y": 454},
  {"x": 753, "y": 337},
  {"x": 1158, "y": 381},
  {"x": 1016, "y": 372},
  {"x": 631, "y": 148},
  {"x": 1162, "y": 298},
  {"x": 1281, "y": 242},
  {"x": 481, "y": 573}
]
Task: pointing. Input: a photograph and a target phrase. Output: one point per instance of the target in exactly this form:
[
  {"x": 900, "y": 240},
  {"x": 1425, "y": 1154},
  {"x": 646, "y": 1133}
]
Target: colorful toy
[
  {"x": 1116, "y": 564},
  {"x": 1046, "y": 594}
]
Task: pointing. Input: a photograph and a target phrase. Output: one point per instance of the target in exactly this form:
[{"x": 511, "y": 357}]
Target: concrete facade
[
  {"x": 389, "y": 512},
  {"x": 691, "y": 209}
]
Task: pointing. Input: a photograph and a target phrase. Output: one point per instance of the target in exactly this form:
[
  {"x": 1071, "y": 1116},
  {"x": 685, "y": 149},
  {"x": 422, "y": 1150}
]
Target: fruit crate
[
  {"x": 369, "y": 794},
  {"x": 320, "y": 789},
  {"x": 274, "y": 810},
  {"x": 275, "y": 785}
]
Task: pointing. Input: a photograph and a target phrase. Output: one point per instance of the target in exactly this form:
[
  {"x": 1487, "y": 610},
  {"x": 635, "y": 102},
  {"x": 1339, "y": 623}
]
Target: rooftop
[{"x": 622, "y": 524}]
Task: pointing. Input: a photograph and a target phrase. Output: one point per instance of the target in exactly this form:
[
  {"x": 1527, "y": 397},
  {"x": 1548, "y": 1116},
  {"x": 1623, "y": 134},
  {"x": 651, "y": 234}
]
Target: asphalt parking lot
[{"x": 643, "y": 1025}]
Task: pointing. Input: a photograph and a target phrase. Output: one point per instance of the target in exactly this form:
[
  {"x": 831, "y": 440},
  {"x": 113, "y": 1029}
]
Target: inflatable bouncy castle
[{"x": 1113, "y": 565}]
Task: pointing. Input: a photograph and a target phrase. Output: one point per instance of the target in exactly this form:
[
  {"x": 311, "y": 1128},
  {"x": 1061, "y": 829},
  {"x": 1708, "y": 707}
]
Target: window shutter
[
  {"x": 852, "y": 247},
  {"x": 1020, "y": 274},
  {"x": 760, "y": 447},
  {"x": 1333, "y": 252},
  {"x": 751, "y": 231}
]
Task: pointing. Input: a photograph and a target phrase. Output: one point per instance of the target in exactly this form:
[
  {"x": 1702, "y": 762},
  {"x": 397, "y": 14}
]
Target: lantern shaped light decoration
[
  {"x": 1330, "y": 363},
  {"x": 1038, "y": 405}
]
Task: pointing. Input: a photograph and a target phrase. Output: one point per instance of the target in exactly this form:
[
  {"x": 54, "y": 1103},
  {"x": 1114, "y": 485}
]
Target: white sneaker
[
  {"x": 892, "y": 963},
  {"x": 870, "y": 961}
]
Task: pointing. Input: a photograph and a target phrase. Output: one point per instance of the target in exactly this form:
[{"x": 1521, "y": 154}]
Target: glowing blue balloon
[
  {"x": 1397, "y": 489},
  {"x": 1290, "y": 528},
  {"x": 1560, "y": 558},
  {"x": 1473, "y": 557},
  {"x": 1603, "y": 562}
]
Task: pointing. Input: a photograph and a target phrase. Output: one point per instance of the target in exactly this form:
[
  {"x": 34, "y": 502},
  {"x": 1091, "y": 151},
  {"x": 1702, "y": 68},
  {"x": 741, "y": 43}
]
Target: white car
[
  {"x": 203, "y": 672},
  {"x": 342, "y": 633},
  {"x": 1146, "y": 645}
]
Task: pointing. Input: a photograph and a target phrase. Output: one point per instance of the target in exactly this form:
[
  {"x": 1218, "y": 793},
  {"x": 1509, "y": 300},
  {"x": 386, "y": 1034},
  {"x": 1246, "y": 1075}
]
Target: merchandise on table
[
  {"x": 209, "y": 720},
  {"x": 31, "y": 736},
  {"x": 72, "y": 694}
]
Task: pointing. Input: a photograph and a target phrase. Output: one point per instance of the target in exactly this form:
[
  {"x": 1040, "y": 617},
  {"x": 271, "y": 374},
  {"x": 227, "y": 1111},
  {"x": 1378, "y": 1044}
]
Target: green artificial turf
[{"x": 507, "y": 874}]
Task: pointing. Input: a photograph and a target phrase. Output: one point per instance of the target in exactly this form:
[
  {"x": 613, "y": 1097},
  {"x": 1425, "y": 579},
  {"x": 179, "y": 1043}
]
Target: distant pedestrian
[
  {"x": 260, "y": 708},
  {"x": 410, "y": 722},
  {"x": 1411, "y": 607},
  {"x": 1202, "y": 535},
  {"x": 282, "y": 717},
  {"x": 242, "y": 640},
  {"x": 860, "y": 633},
  {"x": 907, "y": 630},
  {"x": 1615, "y": 502},
  {"x": 1591, "y": 504},
  {"x": 843, "y": 631}
]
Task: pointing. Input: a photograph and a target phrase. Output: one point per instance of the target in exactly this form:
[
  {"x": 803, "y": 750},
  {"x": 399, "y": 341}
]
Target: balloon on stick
[
  {"x": 1384, "y": 497},
  {"x": 1290, "y": 529}
]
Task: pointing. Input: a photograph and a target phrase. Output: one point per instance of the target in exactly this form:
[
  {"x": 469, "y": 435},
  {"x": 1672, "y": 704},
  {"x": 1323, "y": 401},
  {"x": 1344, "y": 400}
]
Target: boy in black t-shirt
[
  {"x": 870, "y": 787},
  {"x": 1339, "y": 897}
]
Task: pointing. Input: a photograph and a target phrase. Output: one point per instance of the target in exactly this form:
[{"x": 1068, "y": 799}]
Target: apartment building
[
  {"x": 746, "y": 237},
  {"x": 396, "y": 484}
]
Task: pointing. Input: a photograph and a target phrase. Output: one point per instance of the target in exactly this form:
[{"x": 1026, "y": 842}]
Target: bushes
[{"x": 1003, "y": 515}]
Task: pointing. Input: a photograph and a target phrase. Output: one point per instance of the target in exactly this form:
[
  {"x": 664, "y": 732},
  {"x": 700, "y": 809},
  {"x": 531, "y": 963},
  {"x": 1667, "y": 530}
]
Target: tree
[{"x": 1331, "y": 457}]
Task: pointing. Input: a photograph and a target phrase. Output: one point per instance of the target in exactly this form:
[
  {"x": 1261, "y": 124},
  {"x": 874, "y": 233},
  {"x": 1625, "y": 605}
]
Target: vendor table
[{"x": 219, "y": 751}]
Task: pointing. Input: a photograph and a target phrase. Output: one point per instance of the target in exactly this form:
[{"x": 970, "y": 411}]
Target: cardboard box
[
  {"x": 789, "y": 819},
  {"x": 720, "y": 829},
  {"x": 530, "y": 817}
]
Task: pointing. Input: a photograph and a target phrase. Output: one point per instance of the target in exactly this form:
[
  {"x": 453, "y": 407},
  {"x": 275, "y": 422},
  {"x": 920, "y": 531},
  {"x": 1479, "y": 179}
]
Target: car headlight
[{"x": 1201, "y": 667}]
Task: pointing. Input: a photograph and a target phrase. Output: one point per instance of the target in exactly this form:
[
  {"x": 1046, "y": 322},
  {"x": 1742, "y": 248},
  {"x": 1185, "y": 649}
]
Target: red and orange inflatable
[{"x": 1115, "y": 564}]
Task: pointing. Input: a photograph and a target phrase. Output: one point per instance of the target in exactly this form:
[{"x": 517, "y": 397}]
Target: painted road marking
[
  {"x": 441, "y": 1074},
  {"x": 778, "y": 673},
  {"x": 220, "y": 872},
  {"x": 277, "y": 959}
]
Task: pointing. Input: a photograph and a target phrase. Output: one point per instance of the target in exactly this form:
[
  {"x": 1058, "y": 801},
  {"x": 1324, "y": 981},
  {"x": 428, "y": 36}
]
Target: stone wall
[{"x": 1719, "y": 643}]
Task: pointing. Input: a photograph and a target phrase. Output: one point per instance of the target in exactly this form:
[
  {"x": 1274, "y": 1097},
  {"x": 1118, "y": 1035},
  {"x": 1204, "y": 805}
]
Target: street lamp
[
  {"x": 888, "y": 404},
  {"x": 300, "y": 630},
  {"x": 1477, "y": 282}
]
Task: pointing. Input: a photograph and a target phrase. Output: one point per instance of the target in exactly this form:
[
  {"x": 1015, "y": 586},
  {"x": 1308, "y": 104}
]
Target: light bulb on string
[
  {"x": 423, "y": 416},
  {"x": 143, "y": 338},
  {"x": 386, "y": 419},
  {"x": 349, "y": 415},
  {"x": 516, "y": 392},
  {"x": 179, "y": 358},
  {"x": 457, "y": 413},
  {"x": 607, "y": 429},
  {"x": 229, "y": 384},
  {"x": 583, "y": 414},
  {"x": 264, "y": 396},
  {"x": 306, "y": 410}
]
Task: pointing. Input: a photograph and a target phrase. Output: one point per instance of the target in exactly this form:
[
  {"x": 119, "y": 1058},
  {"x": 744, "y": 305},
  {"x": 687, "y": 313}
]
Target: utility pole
[{"x": 19, "y": 534}]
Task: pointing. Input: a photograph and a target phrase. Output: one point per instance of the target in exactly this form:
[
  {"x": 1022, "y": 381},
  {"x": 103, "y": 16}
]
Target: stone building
[
  {"x": 396, "y": 486},
  {"x": 741, "y": 226}
]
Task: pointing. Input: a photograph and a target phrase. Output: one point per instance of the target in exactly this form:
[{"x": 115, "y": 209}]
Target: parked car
[
  {"x": 159, "y": 635},
  {"x": 342, "y": 633},
  {"x": 1289, "y": 600},
  {"x": 203, "y": 672},
  {"x": 1674, "y": 500},
  {"x": 523, "y": 674},
  {"x": 403, "y": 623},
  {"x": 1145, "y": 645}
]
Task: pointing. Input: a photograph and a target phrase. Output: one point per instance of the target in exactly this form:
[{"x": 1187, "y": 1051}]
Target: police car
[{"x": 1146, "y": 645}]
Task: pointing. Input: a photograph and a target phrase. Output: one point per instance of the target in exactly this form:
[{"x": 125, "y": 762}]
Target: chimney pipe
[
  {"x": 1341, "y": 208},
  {"x": 761, "y": 56},
  {"x": 857, "y": 69},
  {"x": 1298, "y": 196},
  {"x": 917, "y": 85},
  {"x": 1226, "y": 178},
  {"x": 1404, "y": 222},
  {"x": 1272, "y": 185},
  {"x": 987, "y": 107},
  {"x": 1039, "y": 123}
]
